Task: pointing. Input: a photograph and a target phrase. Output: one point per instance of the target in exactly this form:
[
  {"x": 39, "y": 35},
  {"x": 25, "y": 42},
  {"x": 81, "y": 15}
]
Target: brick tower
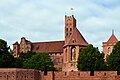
[
  {"x": 23, "y": 47},
  {"x": 108, "y": 46},
  {"x": 74, "y": 41}
]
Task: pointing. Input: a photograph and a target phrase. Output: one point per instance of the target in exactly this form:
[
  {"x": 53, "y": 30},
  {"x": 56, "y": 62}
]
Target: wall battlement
[
  {"x": 82, "y": 75},
  {"x": 31, "y": 74}
]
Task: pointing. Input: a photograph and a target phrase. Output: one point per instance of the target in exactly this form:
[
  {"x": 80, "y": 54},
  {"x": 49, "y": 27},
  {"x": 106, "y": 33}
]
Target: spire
[
  {"x": 112, "y": 31},
  {"x": 113, "y": 37}
]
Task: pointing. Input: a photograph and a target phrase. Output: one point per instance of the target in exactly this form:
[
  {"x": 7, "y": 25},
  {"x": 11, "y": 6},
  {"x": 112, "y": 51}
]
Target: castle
[{"x": 64, "y": 54}]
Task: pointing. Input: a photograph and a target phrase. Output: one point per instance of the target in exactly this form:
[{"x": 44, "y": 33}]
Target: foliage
[
  {"x": 6, "y": 58},
  {"x": 113, "y": 60},
  {"x": 90, "y": 59},
  {"x": 26, "y": 56},
  {"x": 23, "y": 57},
  {"x": 39, "y": 61}
]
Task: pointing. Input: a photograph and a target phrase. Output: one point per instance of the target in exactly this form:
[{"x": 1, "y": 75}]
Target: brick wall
[
  {"x": 84, "y": 75},
  {"x": 19, "y": 74},
  {"x": 31, "y": 74}
]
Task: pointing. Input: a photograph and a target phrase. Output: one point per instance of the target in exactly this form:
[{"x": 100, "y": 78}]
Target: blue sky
[{"x": 43, "y": 20}]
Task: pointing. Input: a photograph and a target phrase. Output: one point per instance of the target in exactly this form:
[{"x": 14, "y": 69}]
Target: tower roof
[
  {"x": 113, "y": 38},
  {"x": 76, "y": 39}
]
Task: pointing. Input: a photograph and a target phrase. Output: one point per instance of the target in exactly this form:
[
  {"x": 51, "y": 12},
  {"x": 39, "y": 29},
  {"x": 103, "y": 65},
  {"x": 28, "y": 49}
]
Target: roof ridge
[{"x": 48, "y": 42}]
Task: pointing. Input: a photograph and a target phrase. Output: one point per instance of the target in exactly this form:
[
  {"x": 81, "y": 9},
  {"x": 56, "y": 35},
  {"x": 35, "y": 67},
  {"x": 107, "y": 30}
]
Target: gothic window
[
  {"x": 66, "y": 54},
  {"x": 67, "y": 24},
  {"x": 66, "y": 29},
  {"x": 66, "y": 34},
  {"x": 70, "y": 29},
  {"x": 109, "y": 51},
  {"x": 73, "y": 41},
  {"x": 73, "y": 54}
]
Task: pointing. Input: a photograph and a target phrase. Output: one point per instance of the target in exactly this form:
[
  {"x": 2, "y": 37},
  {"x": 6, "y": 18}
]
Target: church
[{"x": 64, "y": 54}]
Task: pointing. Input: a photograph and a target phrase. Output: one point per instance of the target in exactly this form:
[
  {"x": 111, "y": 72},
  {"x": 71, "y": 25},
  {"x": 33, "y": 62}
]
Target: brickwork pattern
[
  {"x": 84, "y": 75},
  {"x": 19, "y": 74}
]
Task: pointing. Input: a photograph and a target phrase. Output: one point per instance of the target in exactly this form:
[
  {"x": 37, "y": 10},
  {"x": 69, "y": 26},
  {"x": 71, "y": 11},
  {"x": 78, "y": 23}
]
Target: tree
[
  {"x": 113, "y": 60},
  {"x": 3, "y": 47},
  {"x": 6, "y": 57},
  {"x": 22, "y": 58},
  {"x": 90, "y": 59},
  {"x": 39, "y": 61}
]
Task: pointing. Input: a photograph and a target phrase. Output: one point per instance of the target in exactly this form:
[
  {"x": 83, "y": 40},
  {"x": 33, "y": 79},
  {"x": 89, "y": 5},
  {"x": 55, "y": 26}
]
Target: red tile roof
[
  {"x": 51, "y": 47},
  {"x": 112, "y": 39},
  {"x": 76, "y": 39}
]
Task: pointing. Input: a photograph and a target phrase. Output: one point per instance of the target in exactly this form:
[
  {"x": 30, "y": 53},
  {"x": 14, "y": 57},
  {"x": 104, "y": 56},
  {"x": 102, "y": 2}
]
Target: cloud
[{"x": 43, "y": 20}]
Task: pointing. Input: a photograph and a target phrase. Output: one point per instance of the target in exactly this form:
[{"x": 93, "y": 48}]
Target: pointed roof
[
  {"x": 76, "y": 39},
  {"x": 113, "y": 38}
]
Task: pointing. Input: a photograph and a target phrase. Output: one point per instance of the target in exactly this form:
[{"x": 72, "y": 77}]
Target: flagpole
[{"x": 71, "y": 11}]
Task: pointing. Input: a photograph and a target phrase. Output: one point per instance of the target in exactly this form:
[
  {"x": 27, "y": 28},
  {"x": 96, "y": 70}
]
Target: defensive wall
[
  {"x": 31, "y": 74},
  {"x": 83, "y": 75},
  {"x": 19, "y": 74}
]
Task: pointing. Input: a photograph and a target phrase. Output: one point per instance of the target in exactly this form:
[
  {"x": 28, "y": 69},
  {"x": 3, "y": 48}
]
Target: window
[
  {"x": 73, "y": 41},
  {"x": 66, "y": 54},
  {"x": 66, "y": 29},
  {"x": 73, "y": 54},
  {"x": 67, "y": 24},
  {"x": 109, "y": 51},
  {"x": 14, "y": 47},
  {"x": 66, "y": 34},
  {"x": 70, "y": 29}
]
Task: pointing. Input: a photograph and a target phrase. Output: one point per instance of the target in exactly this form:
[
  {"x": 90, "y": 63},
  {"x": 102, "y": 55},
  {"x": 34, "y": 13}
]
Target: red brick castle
[{"x": 64, "y": 54}]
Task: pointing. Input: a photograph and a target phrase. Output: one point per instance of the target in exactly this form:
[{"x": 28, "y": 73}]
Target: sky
[{"x": 43, "y": 20}]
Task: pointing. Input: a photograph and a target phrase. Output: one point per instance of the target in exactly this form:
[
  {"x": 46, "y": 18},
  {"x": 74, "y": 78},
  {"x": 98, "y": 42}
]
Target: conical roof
[{"x": 77, "y": 39}]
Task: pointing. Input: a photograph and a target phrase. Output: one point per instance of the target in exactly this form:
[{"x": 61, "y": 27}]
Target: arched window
[
  {"x": 109, "y": 51},
  {"x": 73, "y": 53},
  {"x": 66, "y": 54}
]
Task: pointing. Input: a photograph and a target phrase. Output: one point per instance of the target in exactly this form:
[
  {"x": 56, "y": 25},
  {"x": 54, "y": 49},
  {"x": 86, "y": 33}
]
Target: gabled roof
[
  {"x": 112, "y": 39},
  {"x": 76, "y": 39},
  {"x": 51, "y": 47}
]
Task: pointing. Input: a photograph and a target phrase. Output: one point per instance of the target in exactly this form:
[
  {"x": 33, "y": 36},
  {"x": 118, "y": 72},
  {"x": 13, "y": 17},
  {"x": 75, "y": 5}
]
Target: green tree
[
  {"x": 39, "y": 61},
  {"x": 22, "y": 58},
  {"x": 113, "y": 60},
  {"x": 6, "y": 57},
  {"x": 90, "y": 59}
]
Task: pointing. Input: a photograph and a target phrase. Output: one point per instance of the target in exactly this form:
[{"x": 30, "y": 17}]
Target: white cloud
[{"x": 43, "y": 20}]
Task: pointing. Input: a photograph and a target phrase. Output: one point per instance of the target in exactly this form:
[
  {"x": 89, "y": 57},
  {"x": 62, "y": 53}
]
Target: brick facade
[
  {"x": 31, "y": 74},
  {"x": 83, "y": 75},
  {"x": 64, "y": 54},
  {"x": 19, "y": 74},
  {"x": 108, "y": 46}
]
